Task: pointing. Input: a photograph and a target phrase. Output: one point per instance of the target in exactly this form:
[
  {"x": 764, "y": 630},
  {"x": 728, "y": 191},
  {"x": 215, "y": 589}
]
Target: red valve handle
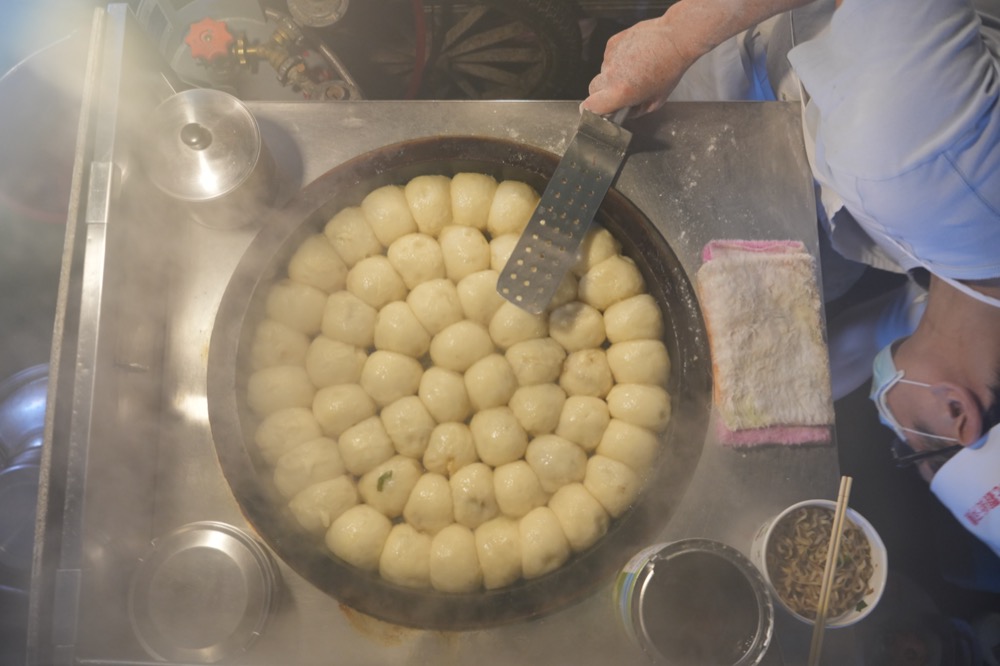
[{"x": 209, "y": 39}]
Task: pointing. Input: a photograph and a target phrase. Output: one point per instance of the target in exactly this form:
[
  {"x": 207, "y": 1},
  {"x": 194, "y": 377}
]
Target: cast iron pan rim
[{"x": 367, "y": 592}]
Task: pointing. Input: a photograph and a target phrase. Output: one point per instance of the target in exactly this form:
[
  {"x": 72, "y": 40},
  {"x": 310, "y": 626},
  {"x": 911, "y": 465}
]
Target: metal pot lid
[
  {"x": 204, "y": 144},
  {"x": 203, "y": 593}
]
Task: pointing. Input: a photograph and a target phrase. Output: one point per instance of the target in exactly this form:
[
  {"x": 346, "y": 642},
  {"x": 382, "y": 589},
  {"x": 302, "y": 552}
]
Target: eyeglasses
[{"x": 903, "y": 455}]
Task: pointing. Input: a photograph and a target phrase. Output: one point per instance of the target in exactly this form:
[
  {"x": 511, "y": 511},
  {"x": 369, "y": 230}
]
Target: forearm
[
  {"x": 701, "y": 25},
  {"x": 643, "y": 64}
]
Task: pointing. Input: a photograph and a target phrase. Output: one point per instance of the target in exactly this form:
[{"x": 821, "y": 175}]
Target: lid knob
[
  {"x": 196, "y": 136},
  {"x": 209, "y": 39}
]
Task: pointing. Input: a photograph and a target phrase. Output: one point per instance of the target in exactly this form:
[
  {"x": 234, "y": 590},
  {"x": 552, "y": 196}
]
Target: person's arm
[{"x": 643, "y": 63}]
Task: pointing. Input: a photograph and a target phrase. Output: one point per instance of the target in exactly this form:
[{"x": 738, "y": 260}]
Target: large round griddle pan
[{"x": 233, "y": 424}]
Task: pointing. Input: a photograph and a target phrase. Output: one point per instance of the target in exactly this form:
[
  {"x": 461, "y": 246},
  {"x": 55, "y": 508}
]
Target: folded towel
[{"x": 771, "y": 372}]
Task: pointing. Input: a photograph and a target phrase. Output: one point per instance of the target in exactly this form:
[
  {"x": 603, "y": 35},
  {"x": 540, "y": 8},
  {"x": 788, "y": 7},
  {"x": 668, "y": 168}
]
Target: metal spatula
[{"x": 549, "y": 244}]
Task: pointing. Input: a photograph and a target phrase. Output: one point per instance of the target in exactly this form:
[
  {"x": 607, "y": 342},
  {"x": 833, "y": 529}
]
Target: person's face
[
  {"x": 900, "y": 398},
  {"x": 917, "y": 408},
  {"x": 933, "y": 395},
  {"x": 937, "y": 416}
]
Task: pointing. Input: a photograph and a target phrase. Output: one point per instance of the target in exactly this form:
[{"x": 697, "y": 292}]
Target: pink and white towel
[{"x": 770, "y": 361}]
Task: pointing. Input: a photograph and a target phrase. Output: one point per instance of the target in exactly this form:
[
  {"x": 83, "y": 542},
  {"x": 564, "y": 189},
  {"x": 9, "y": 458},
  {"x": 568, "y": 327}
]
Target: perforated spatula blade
[{"x": 550, "y": 242}]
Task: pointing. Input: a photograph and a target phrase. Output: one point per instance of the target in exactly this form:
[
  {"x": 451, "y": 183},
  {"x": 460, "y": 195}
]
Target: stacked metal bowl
[{"x": 22, "y": 424}]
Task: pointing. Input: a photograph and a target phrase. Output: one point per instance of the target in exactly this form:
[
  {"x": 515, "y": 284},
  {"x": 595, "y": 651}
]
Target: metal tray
[{"x": 129, "y": 453}]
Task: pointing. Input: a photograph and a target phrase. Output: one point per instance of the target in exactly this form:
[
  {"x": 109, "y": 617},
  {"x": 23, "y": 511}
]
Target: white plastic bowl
[{"x": 880, "y": 562}]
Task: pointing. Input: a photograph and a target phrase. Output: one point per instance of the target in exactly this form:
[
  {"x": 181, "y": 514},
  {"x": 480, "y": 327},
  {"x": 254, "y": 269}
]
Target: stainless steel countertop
[{"x": 130, "y": 455}]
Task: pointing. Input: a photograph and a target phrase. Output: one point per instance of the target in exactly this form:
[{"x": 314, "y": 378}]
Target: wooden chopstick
[{"x": 829, "y": 570}]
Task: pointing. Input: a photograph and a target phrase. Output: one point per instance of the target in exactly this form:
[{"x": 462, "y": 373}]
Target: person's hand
[{"x": 641, "y": 67}]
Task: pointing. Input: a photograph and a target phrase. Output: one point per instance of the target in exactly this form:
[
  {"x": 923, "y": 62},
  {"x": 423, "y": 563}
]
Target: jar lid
[
  {"x": 204, "y": 144},
  {"x": 705, "y": 598},
  {"x": 203, "y": 593}
]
